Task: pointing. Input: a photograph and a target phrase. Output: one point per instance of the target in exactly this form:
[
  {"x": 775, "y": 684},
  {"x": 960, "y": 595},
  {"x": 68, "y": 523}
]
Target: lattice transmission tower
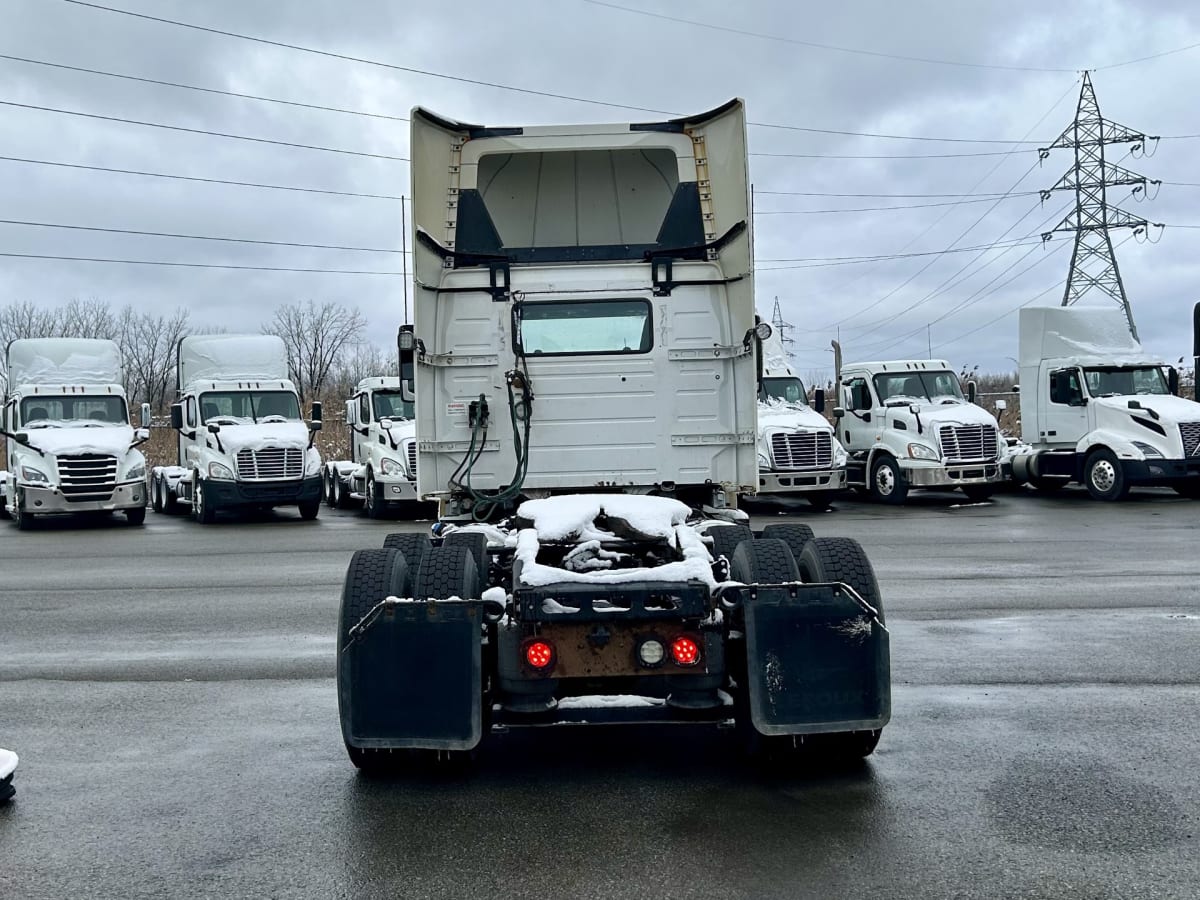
[
  {"x": 1093, "y": 261},
  {"x": 782, "y": 328}
]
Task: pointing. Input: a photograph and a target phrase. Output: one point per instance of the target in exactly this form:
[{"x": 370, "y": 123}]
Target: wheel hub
[
  {"x": 1104, "y": 476},
  {"x": 884, "y": 480}
]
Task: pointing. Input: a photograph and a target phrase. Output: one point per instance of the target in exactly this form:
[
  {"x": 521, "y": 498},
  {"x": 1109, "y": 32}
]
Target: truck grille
[
  {"x": 270, "y": 464},
  {"x": 802, "y": 449},
  {"x": 88, "y": 476},
  {"x": 961, "y": 443},
  {"x": 1190, "y": 432},
  {"x": 410, "y": 447}
]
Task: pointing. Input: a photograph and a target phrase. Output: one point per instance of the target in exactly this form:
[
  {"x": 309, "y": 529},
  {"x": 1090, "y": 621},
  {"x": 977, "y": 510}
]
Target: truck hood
[
  {"x": 958, "y": 412},
  {"x": 1171, "y": 410},
  {"x": 107, "y": 440},
  {"x": 258, "y": 436},
  {"x": 774, "y": 415}
]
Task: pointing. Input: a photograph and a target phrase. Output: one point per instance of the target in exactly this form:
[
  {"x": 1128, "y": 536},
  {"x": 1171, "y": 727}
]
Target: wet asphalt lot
[{"x": 170, "y": 691}]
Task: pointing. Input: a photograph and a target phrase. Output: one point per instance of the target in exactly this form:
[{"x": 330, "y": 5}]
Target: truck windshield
[
  {"x": 917, "y": 386},
  {"x": 390, "y": 405},
  {"x": 1121, "y": 381},
  {"x": 73, "y": 411},
  {"x": 594, "y": 326},
  {"x": 247, "y": 407},
  {"x": 789, "y": 389}
]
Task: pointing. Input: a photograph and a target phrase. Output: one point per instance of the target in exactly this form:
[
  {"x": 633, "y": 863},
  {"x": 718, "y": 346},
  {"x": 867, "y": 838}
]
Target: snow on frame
[
  {"x": 558, "y": 518},
  {"x": 696, "y": 564}
]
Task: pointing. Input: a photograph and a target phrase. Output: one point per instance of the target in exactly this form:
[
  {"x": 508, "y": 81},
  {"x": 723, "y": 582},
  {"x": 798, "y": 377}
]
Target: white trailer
[
  {"x": 1097, "y": 409},
  {"x": 906, "y": 424},
  {"x": 381, "y": 474},
  {"x": 798, "y": 452},
  {"x": 242, "y": 442},
  {"x": 71, "y": 448}
]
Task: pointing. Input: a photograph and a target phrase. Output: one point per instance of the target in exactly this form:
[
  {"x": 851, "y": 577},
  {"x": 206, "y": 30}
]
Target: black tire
[
  {"x": 4, "y": 513},
  {"x": 841, "y": 559},
  {"x": 374, "y": 506},
  {"x": 136, "y": 515},
  {"x": 725, "y": 539},
  {"x": 978, "y": 493},
  {"x": 821, "y": 500},
  {"x": 309, "y": 509},
  {"x": 1189, "y": 489},
  {"x": 156, "y": 502},
  {"x": 478, "y": 545},
  {"x": 413, "y": 544},
  {"x": 841, "y": 747},
  {"x": 327, "y": 486},
  {"x": 1104, "y": 477},
  {"x": 202, "y": 510},
  {"x": 170, "y": 503},
  {"x": 26, "y": 521},
  {"x": 1047, "y": 484},
  {"x": 447, "y": 571},
  {"x": 794, "y": 535},
  {"x": 763, "y": 561},
  {"x": 887, "y": 481},
  {"x": 371, "y": 576}
]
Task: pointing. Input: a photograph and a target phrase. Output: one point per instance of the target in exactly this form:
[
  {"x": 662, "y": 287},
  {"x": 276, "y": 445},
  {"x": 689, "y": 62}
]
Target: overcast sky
[{"x": 588, "y": 50}]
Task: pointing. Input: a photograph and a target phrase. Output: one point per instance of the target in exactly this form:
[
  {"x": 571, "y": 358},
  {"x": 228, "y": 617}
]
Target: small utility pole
[{"x": 404, "y": 256}]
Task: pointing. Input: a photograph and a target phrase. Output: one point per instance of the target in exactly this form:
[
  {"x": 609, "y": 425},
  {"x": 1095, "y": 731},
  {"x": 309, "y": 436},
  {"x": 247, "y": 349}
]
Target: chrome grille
[
  {"x": 963, "y": 443},
  {"x": 410, "y": 448},
  {"x": 270, "y": 464},
  {"x": 802, "y": 449},
  {"x": 88, "y": 476},
  {"x": 1190, "y": 432}
]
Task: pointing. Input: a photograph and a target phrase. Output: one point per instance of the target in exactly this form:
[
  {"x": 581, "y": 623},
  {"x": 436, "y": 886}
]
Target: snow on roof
[
  {"x": 900, "y": 365},
  {"x": 1074, "y": 332},
  {"x": 378, "y": 382},
  {"x": 59, "y": 361},
  {"x": 775, "y": 360},
  {"x": 232, "y": 357},
  {"x": 557, "y": 518}
]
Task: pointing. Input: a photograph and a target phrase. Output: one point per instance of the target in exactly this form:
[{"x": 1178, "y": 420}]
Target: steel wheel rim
[
  {"x": 1104, "y": 476},
  {"x": 198, "y": 499},
  {"x": 884, "y": 482}
]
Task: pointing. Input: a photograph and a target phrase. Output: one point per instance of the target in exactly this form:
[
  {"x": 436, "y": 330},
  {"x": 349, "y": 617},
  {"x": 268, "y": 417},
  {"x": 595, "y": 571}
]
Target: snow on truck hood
[
  {"x": 1171, "y": 410},
  {"x": 106, "y": 440},
  {"x": 958, "y": 412},
  {"x": 256, "y": 436},
  {"x": 779, "y": 414}
]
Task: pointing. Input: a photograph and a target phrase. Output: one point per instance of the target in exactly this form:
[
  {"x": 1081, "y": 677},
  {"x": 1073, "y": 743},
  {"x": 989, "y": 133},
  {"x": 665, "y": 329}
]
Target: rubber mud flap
[
  {"x": 816, "y": 662},
  {"x": 416, "y": 678}
]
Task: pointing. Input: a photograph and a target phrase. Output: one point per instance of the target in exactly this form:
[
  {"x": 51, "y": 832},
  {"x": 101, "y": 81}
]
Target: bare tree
[
  {"x": 148, "y": 343},
  {"x": 364, "y": 360},
  {"x": 315, "y": 336},
  {"x": 91, "y": 318}
]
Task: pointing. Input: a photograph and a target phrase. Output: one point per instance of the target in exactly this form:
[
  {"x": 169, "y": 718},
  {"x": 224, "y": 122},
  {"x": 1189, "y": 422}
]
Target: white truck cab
[
  {"x": 71, "y": 448},
  {"x": 1097, "y": 409},
  {"x": 242, "y": 441},
  {"x": 798, "y": 453},
  {"x": 382, "y": 469},
  {"x": 906, "y": 424}
]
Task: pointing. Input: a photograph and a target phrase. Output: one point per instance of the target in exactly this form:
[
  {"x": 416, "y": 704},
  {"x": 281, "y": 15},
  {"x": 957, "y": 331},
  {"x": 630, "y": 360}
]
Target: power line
[
  {"x": 886, "y": 257},
  {"x": 192, "y": 237},
  {"x": 236, "y": 137},
  {"x": 884, "y": 155},
  {"x": 190, "y": 265},
  {"x": 808, "y": 212},
  {"x": 251, "y": 184},
  {"x": 897, "y": 196}
]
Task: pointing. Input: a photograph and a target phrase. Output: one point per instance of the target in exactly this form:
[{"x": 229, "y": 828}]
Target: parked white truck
[
  {"x": 70, "y": 446},
  {"x": 381, "y": 473},
  {"x": 906, "y": 424},
  {"x": 585, "y": 332},
  {"x": 1096, "y": 408},
  {"x": 242, "y": 442},
  {"x": 798, "y": 452}
]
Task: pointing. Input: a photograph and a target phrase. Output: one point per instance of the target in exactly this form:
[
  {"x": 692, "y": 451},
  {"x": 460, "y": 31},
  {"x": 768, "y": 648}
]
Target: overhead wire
[{"x": 192, "y": 265}]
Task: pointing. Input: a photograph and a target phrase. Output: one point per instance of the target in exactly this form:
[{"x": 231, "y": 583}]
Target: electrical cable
[{"x": 191, "y": 265}]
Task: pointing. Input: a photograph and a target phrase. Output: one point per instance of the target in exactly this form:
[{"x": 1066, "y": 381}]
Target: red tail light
[
  {"x": 685, "y": 651},
  {"x": 539, "y": 654}
]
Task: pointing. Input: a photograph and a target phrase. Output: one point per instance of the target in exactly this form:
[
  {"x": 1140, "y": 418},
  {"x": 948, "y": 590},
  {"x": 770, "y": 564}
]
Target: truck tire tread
[
  {"x": 841, "y": 559},
  {"x": 763, "y": 561}
]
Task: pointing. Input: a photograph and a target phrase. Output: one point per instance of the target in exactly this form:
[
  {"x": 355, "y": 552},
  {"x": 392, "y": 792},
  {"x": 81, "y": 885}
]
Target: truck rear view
[{"x": 586, "y": 356}]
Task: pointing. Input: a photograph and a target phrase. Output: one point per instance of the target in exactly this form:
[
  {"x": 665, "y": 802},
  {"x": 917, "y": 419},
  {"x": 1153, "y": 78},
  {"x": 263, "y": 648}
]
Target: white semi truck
[
  {"x": 906, "y": 424},
  {"x": 585, "y": 355},
  {"x": 242, "y": 442},
  {"x": 798, "y": 452},
  {"x": 70, "y": 446},
  {"x": 1097, "y": 409},
  {"x": 381, "y": 473}
]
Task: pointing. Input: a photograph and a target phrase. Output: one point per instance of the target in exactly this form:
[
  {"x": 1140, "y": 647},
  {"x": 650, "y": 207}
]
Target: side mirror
[
  {"x": 819, "y": 400},
  {"x": 142, "y": 434},
  {"x": 406, "y": 391},
  {"x": 316, "y": 411},
  {"x": 177, "y": 416},
  {"x": 838, "y": 412},
  {"x": 1173, "y": 380},
  {"x": 1001, "y": 405},
  {"x": 1016, "y": 389},
  {"x": 972, "y": 391},
  {"x": 145, "y": 420},
  {"x": 351, "y": 413},
  {"x": 21, "y": 437},
  {"x": 213, "y": 427},
  {"x": 385, "y": 423}
]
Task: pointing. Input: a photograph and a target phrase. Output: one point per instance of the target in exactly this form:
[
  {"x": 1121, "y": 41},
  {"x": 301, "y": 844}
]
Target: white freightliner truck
[
  {"x": 586, "y": 355},
  {"x": 70, "y": 446},
  {"x": 1097, "y": 409},
  {"x": 242, "y": 442},
  {"x": 906, "y": 424},
  {"x": 381, "y": 473},
  {"x": 798, "y": 452}
]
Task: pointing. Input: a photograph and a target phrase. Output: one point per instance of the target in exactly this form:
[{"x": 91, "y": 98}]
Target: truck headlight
[
  {"x": 763, "y": 462},
  {"x": 312, "y": 463},
  {"x": 219, "y": 472},
  {"x": 34, "y": 476},
  {"x": 390, "y": 467},
  {"x": 839, "y": 454},
  {"x": 1147, "y": 450},
  {"x": 137, "y": 473},
  {"x": 921, "y": 451}
]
